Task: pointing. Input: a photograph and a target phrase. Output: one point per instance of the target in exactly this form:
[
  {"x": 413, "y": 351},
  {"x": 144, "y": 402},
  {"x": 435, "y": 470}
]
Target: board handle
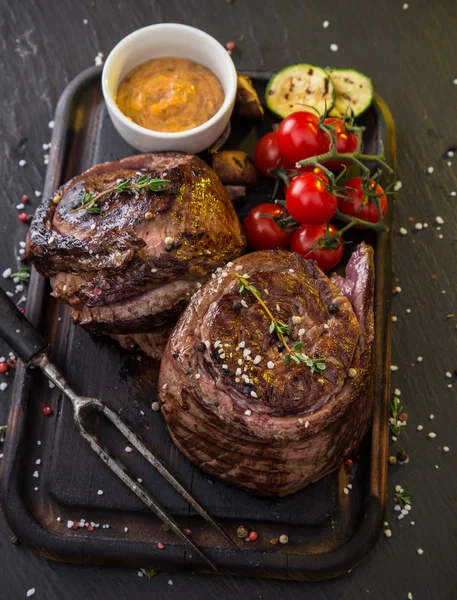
[{"x": 17, "y": 331}]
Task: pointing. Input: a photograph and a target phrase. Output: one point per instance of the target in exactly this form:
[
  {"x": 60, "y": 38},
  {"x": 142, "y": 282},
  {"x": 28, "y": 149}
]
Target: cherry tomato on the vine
[
  {"x": 299, "y": 136},
  {"x": 308, "y": 200},
  {"x": 268, "y": 155},
  {"x": 345, "y": 142},
  {"x": 263, "y": 233},
  {"x": 304, "y": 239},
  {"x": 358, "y": 204}
]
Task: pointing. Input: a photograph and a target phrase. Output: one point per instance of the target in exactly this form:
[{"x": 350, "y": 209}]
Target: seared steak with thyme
[
  {"x": 266, "y": 379},
  {"x": 128, "y": 263}
]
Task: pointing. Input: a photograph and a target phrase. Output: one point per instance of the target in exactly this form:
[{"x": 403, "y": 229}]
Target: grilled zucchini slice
[
  {"x": 299, "y": 87},
  {"x": 353, "y": 92}
]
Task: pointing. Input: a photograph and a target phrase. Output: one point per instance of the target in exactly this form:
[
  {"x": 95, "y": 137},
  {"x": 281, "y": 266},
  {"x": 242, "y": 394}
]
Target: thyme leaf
[
  {"x": 23, "y": 274},
  {"x": 3, "y": 429}
]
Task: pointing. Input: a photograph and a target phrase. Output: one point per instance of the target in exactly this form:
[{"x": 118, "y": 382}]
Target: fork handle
[{"x": 17, "y": 331}]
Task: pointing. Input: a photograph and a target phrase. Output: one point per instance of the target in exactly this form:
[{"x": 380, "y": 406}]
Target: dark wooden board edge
[{"x": 105, "y": 551}]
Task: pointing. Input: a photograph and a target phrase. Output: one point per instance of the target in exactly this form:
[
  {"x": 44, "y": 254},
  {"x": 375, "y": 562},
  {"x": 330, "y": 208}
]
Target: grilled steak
[
  {"x": 132, "y": 268},
  {"x": 231, "y": 403}
]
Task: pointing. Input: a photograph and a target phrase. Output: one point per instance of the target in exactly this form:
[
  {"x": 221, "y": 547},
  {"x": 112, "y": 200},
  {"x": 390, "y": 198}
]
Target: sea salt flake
[
  {"x": 270, "y": 364},
  {"x": 30, "y": 592},
  {"x": 257, "y": 359},
  {"x": 253, "y": 394},
  {"x": 325, "y": 24},
  {"x": 430, "y": 170},
  {"x": 388, "y": 533},
  {"x": 128, "y": 449},
  {"x": 403, "y": 231},
  {"x": 398, "y": 185},
  {"x": 7, "y": 273},
  {"x": 100, "y": 493},
  {"x": 36, "y": 475},
  {"x": 248, "y": 412},
  {"x": 334, "y": 47}
]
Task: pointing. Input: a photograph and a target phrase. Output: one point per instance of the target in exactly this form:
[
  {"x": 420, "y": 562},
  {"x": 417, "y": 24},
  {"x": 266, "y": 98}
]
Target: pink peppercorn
[
  {"x": 160, "y": 545},
  {"x": 47, "y": 410},
  {"x": 3, "y": 367},
  {"x": 253, "y": 536},
  {"x": 230, "y": 46},
  {"x": 23, "y": 217}
]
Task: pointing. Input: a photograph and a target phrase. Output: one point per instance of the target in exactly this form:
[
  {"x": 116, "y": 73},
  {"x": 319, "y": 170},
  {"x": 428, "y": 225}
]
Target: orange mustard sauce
[{"x": 170, "y": 94}]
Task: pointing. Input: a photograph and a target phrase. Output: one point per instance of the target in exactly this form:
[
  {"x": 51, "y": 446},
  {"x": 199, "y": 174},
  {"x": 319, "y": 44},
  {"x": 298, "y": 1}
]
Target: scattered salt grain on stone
[
  {"x": 140, "y": 574},
  {"x": 448, "y": 374},
  {"x": 418, "y": 226},
  {"x": 100, "y": 493},
  {"x": 346, "y": 491},
  {"x": 126, "y": 529},
  {"x": 420, "y": 551},
  {"x": 70, "y": 524},
  {"x": 248, "y": 412},
  {"x": 431, "y": 417},
  {"x": 403, "y": 231},
  {"x": 85, "y": 21},
  {"x": 99, "y": 59},
  {"x": 170, "y": 582},
  {"x": 257, "y": 359},
  {"x": 36, "y": 475},
  {"x": 325, "y": 24},
  {"x": 334, "y": 47},
  {"x": 38, "y": 461},
  {"x": 446, "y": 448},
  {"x": 398, "y": 185},
  {"x": 408, "y": 310},
  {"x": 405, "y": 6},
  {"x": 128, "y": 449},
  {"x": 155, "y": 406},
  {"x": 393, "y": 368},
  {"x": 432, "y": 435},
  {"x": 410, "y": 596},
  {"x": 430, "y": 170},
  {"x": 270, "y": 364},
  {"x": 397, "y": 392},
  {"x": 388, "y": 533},
  {"x": 253, "y": 394},
  {"x": 6, "y": 273},
  {"x": 22, "y": 163},
  {"x": 30, "y": 592},
  {"x": 420, "y": 427},
  {"x": 419, "y": 359}
]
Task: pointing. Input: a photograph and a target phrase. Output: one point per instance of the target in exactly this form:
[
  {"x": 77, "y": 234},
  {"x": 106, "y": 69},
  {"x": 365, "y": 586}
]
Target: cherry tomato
[
  {"x": 345, "y": 142},
  {"x": 299, "y": 136},
  {"x": 308, "y": 201},
  {"x": 358, "y": 205},
  {"x": 267, "y": 154},
  {"x": 263, "y": 233},
  {"x": 303, "y": 240}
]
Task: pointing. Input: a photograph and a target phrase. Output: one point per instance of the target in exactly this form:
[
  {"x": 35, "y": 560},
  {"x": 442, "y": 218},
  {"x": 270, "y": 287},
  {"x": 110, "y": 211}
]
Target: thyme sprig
[
  {"x": 89, "y": 201},
  {"x": 3, "y": 429},
  {"x": 281, "y": 329},
  {"x": 395, "y": 409},
  {"x": 149, "y": 572},
  {"x": 403, "y": 498},
  {"x": 23, "y": 274}
]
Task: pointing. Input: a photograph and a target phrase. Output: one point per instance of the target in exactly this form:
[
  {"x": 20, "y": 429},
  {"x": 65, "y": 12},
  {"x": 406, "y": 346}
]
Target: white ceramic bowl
[{"x": 181, "y": 41}]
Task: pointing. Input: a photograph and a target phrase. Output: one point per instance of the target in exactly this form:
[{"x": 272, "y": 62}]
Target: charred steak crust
[
  {"x": 138, "y": 244},
  {"x": 265, "y": 427}
]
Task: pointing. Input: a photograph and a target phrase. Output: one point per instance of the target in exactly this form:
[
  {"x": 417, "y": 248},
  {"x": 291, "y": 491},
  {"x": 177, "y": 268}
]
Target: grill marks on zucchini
[
  {"x": 299, "y": 87},
  {"x": 353, "y": 92}
]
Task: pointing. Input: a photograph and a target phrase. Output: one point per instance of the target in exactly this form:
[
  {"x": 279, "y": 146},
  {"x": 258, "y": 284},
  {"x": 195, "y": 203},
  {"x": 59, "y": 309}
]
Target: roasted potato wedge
[
  {"x": 235, "y": 168},
  {"x": 247, "y": 103}
]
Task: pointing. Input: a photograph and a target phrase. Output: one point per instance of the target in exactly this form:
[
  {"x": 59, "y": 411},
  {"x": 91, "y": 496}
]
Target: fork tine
[
  {"x": 120, "y": 470},
  {"x": 163, "y": 470}
]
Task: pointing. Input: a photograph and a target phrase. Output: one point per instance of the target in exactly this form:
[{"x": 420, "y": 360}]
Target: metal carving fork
[{"x": 32, "y": 349}]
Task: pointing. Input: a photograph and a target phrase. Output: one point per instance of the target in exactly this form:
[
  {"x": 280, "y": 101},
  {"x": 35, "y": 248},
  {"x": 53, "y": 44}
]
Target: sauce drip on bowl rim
[{"x": 170, "y": 94}]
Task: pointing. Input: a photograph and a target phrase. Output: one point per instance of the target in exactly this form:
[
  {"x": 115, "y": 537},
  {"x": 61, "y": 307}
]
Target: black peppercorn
[
  {"x": 200, "y": 347},
  {"x": 402, "y": 456},
  {"x": 332, "y": 308},
  {"x": 237, "y": 306}
]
